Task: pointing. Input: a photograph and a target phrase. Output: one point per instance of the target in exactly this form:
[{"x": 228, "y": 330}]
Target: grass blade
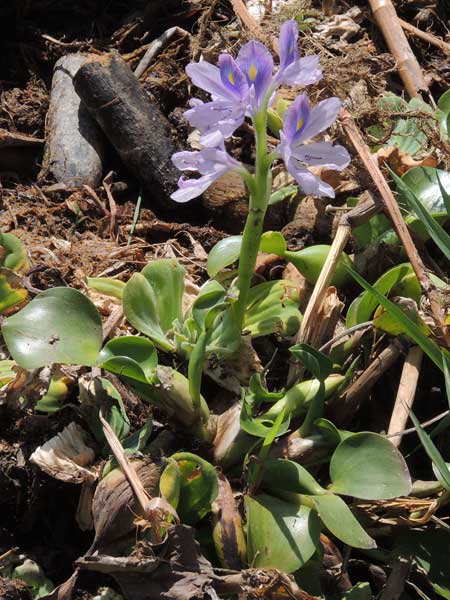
[
  {"x": 413, "y": 330},
  {"x": 435, "y": 231}
]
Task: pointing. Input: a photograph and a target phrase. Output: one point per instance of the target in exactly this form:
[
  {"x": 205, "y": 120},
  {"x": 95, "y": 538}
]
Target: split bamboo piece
[
  {"x": 406, "y": 392},
  {"x": 408, "y": 67}
]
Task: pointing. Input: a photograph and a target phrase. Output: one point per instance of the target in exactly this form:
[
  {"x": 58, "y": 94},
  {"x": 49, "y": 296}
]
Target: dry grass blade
[{"x": 425, "y": 36}]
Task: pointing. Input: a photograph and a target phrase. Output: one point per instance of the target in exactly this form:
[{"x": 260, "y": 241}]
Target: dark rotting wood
[
  {"x": 75, "y": 148},
  {"x": 131, "y": 121}
]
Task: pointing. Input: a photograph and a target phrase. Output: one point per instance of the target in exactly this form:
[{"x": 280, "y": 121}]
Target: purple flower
[
  {"x": 294, "y": 70},
  {"x": 211, "y": 162},
  {"x": 239, "y": 87},
  {"x": 301, "y": 123}
]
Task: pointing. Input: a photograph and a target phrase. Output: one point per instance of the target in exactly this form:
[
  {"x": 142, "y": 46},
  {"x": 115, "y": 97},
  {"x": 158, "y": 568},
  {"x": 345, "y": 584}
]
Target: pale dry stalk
[
  {"x": 405, "y": 394},
  {"x": 397, "y": 42}
]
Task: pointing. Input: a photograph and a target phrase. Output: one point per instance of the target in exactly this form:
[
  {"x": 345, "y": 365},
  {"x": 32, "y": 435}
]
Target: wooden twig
[
  {"x": 112, "y": 204},
  {"x": 408, "y": 67},
  {"x": 406, "y": 392},
  {"x": 242, "y": 12},
  {"x": 425, "y": 36},
  {"x": 344, "y": 408},
  {"x": 395, "y": 214},
  {"x": 156, "y": 46}
]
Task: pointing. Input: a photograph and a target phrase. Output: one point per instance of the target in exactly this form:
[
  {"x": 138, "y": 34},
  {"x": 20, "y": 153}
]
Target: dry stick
[
  {"x": 344, "y": 408},
  {"x": 393, "y": 210},
  {"x": 406, "y": 392},
  {"x": 408, "y": 67},
  {"x": 426, "y": 37},
  {"x": 156, "y": 46},
  {"x": 250, "y": 22},
  {"x": 308, "y": 324}
]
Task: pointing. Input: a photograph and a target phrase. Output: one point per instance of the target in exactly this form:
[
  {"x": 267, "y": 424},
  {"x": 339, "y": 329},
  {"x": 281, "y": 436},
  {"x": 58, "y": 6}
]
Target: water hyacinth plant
[{"x": 245, "y": 88}]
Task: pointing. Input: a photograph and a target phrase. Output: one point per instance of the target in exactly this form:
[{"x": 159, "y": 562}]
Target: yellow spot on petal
[
  {"x": 299, "y": 123},
  {"x": 252, "y": 72},
  {"x": 231, "y": 77}
]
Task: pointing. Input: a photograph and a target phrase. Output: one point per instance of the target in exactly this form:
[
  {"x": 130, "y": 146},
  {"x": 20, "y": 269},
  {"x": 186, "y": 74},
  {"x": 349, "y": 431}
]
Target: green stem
[{"x": 259, "y": 199}]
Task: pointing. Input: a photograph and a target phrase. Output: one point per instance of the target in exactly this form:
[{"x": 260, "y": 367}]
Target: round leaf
[
  {"x": 366, "y": 465},
  {"x": 280, "y": 535},
  {"x": 424, "y": 183},
  {"x": 198, "y": 487},
  {"x": 130, "y": 356},
  {"x": 59, "y": 325},
  {"x": 223, "y": 254},
  {"x": 339, "y": 519}
]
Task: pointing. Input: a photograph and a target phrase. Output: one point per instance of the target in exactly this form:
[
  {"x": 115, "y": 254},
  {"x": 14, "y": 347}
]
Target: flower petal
[
  {"x": 322, "y": 116},
  {"x": 322, "y": 154},
  {"x": 221, "y": 115},
  {"x": 256, "y": 62},
  {"x": 207, "y": 77},
  {"x": 308, "y": 182},
  {"x": 288, "y": 43},
  {"x": 192, "y": 188},
  {"x": 304, "y": 71},
  {"x": 296, "y": 118},
  {"x": 232, "y": 77}
]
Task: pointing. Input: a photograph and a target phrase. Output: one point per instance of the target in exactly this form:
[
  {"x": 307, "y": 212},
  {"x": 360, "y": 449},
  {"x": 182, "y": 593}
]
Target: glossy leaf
[
  {"x": 289, "y": 476},
  {"x": 413, "y": 330},
  {"x": 339, "y": 519},
  {"x": 107, "y": 286},
  {"x": 166, "y": 276},
  {"x": 223, "y": 254},
  {"x": 170, "y": 483},
  {"x": 283, "y": 193},
  {"x": 429, "y": 549},
  {"x": 130, "y": 356},
  {"x": 424, "y": 183},
  {"x": 198, "y": 487},
  {"x": 280, "y": 535},
  {"x": 12, "y": 293},
  {"x": 310, "y": 261},
  {"x": 314, "y": 361},
  {"x": 366, "y": 465},
  {"x": 59, "y": 325},
  {"x": 435, "y": 231},
  {"x": 12, "y": 253},
  {"x": 141, "y": 310}
]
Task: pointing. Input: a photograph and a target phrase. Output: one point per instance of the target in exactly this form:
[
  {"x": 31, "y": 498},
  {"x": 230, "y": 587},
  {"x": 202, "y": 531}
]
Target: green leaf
[
  {"x": 166, "y": 276},
  {"x": 282, "y": 194},
  {"x": 272, "y": 308},
  {"x": 223, "y": 254},
  {"x": 360, "y": 591},
  {"x": 198, "y": 487},
  {"x": 141, "y": 310},
  {"x": 273, "y": 242},
  {"x": 170, "y": 483},
  {"x": 59, "y": 325},
  {"x": 437, "y": 234},
  {"x": 363, "y": 307},
  {"x": 339, "y": 519},
  {"x": 280, "y": 535},
  {"x": 130, "y": 356},
  {"x": 107, "y": 286},
  {"x": 412, "y": 329},
  {"x": 429, "y": 549},
  {"x": 14, "y": 255},
  {"x": 311, "y": 260},
  {"x": 424, "y": 184},
  {"x": 366, "y": 465},
  {"x": 195, "y": 369},
  {"x": 443, "y": 113},
  {"x": 12, "y": 293},
  {"x": 57, "y": 393},
  {"x": 314, "y": 361},
  {"x": 288, "y": 476},
  {"x": 441, "y": 469}
]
